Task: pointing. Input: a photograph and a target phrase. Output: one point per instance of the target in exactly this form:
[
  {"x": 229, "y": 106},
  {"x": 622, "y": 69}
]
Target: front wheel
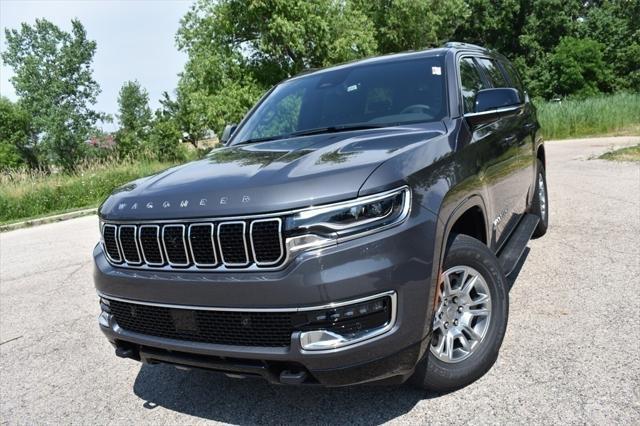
[{"x": 470, "y": 318}]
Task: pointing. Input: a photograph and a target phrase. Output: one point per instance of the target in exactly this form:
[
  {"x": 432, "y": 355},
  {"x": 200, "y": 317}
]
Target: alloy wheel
[{"x": 463, "y": 315}]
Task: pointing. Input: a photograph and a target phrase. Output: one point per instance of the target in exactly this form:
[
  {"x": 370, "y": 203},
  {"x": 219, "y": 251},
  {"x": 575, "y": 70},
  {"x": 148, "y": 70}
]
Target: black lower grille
[{"x": 267, "y": 329}]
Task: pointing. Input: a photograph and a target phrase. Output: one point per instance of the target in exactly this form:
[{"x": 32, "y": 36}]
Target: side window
[
  {"x": 494, "y": 72},
  {"x": 513, "y": 77},
  {"x": 470, "y": 83}
]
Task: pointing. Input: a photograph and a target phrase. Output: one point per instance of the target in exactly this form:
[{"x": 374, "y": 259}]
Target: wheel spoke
[
  {"x": 449, "y": 352},
  {"x": 447, "y": 287},
  {"x": 466, "y": 288},
  {"x": 471, "y": 332}
]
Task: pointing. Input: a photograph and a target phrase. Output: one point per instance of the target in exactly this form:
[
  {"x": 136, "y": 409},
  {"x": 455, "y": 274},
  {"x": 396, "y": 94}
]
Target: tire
[
  {"x": 540, "y": 204},
  {"x": 437, "y": 375}
]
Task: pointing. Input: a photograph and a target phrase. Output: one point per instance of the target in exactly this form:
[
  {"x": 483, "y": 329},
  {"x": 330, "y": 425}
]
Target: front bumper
[{"x": 397, "y": 260}]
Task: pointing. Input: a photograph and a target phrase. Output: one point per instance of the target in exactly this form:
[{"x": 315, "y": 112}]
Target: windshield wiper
[{"x": 336, "y": 129}]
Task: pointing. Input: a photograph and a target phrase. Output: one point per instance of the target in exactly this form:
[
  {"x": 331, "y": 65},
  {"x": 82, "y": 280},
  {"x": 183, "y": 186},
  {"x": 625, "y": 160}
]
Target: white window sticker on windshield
[
  {"x": 352, "y": 88},
  {"x": 436, "y": 71}
]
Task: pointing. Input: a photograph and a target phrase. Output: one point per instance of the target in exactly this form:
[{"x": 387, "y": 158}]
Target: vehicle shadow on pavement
[{"x": 213, "y": 396}]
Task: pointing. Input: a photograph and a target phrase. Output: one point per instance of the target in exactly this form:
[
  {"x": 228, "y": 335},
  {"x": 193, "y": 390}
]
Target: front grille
[
  {"x": 211, "y": 245},
  {"x": 128, "y": 244},
  {"x": 266, "y": 329}
]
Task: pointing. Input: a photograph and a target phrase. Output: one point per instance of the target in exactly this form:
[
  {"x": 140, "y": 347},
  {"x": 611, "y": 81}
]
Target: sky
[{"x": 135, "y": 41}]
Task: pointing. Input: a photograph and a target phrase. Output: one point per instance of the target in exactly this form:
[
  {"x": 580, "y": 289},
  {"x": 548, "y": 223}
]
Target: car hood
[{"x": 266, "y": 177}]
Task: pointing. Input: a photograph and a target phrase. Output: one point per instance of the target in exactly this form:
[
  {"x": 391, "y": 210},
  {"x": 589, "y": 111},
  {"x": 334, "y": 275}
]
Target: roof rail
[{"x": 459, "y": 45}]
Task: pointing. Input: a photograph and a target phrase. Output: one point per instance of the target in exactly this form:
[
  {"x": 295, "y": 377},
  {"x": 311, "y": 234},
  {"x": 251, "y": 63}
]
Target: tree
[
  {"x": 134, "y": 117},
  {"x": 237, "y": 49},
  {"x": 53, "y": 78},
  {"x": 17, "y": 140},
  {"x": 577, "y": 68},
  {"x": 413, "y": 24}
]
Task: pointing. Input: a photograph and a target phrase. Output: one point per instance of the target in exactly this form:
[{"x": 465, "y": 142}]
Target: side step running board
[{"x": 511, "y": 252}]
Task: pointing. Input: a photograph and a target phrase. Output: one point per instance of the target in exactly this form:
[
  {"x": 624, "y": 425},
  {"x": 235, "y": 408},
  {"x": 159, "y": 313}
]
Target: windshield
[{"x": 361, "y": 96}]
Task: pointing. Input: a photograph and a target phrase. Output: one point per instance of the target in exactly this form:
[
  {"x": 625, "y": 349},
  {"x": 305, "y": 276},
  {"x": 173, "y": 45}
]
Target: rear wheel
[
  {"x": 540, "y": 204},
  {"x": 470, "y": 318}
]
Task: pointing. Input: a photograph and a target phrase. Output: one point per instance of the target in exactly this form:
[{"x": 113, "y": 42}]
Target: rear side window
[
  {"x": 494, "y": 72},
  {"x": 512, "y": 74},
  {"x": 470, "y": 83}
]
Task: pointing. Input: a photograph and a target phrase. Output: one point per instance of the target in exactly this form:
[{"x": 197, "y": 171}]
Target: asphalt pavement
[{"x": 570, "y": 355}]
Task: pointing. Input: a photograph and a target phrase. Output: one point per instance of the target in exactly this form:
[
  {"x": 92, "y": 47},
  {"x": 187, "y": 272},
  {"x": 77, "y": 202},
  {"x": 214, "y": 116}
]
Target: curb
[{"x": 48, "y": 219}]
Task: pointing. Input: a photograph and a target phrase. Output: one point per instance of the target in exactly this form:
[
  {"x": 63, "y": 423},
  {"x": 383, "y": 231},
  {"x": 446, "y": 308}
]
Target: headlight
[{"x": 324, "y": 225}]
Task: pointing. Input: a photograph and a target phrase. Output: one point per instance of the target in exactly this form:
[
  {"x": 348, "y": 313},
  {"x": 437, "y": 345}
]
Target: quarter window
[{"x": 470, "y": 83}]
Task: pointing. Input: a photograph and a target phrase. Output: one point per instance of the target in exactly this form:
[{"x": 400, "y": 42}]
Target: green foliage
[
  {"x": 53, "y": 78},
  {"x": 578, "y": 68},
  {"x": 17, "y": 139},
  {"x": 238, "y": 49},
  {"x": 413, "y": 24},
  {"x": 134, "y": 117},
  {"x": 606, "y": 114},
  {"x": 28, "y": 194}
]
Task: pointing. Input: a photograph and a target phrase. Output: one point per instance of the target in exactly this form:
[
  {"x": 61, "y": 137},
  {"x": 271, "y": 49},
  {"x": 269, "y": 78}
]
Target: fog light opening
[{"x": 341, "y": 326}]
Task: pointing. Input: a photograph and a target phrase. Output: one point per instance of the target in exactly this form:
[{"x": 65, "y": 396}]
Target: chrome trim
[
  {"x": 115, "y": 237},
  {"x": 253, "y": 246},
  {"x": 355, "y": 201},
  {"x": 390, "y": 293},
  {"x": 135, "y": 242},
  {"x": 290, "y": 249},
  {"x": 213, "y": 244},
  {"x": 372, "y": 334},
  {"x": 244, "y": 240},
  {"x": 144, "y": 257},
  {"x": 184, "y": 243},
  {"x": 502, "y": 110}
]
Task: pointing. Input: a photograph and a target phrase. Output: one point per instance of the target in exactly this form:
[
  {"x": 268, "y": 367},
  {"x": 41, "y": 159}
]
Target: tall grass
[
  {"x": 25, "y": 194},
  {"x": 619, "y": 113}
]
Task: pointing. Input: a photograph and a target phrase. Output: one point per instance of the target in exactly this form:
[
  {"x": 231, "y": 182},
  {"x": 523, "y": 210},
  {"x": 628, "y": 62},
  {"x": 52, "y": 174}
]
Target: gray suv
[{"x": 360, "y": 224}]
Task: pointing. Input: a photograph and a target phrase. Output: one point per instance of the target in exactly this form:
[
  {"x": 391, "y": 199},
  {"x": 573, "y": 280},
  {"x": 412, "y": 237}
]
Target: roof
[{"x": 454, "y": 45}]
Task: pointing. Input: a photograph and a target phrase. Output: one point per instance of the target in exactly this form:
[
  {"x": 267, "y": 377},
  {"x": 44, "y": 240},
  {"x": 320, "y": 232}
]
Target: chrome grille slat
[
  {"x": 217, "y": 245},
  {"x": 152, "y": 254},
  {"x": 202, "y": 246},
  {"x": 175, "y": 245},
  {"x": 110, "y": 243},
  {"x": 266, "y": 245},
  {"x": 231, "y": 251},
  {"x": 129, "y": 244}
]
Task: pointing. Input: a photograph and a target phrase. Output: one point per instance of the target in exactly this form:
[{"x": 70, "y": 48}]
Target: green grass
[
  {"x": 630, "y": 153},
  {"x": 617, "y": 114},
  {"x": 27, "y": 194}
]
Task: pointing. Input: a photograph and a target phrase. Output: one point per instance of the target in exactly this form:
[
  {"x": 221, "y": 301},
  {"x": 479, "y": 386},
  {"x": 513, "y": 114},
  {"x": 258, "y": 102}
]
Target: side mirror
[
  {"x": 492, "y": 104},
  {"x": 227, "y": 132}
]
